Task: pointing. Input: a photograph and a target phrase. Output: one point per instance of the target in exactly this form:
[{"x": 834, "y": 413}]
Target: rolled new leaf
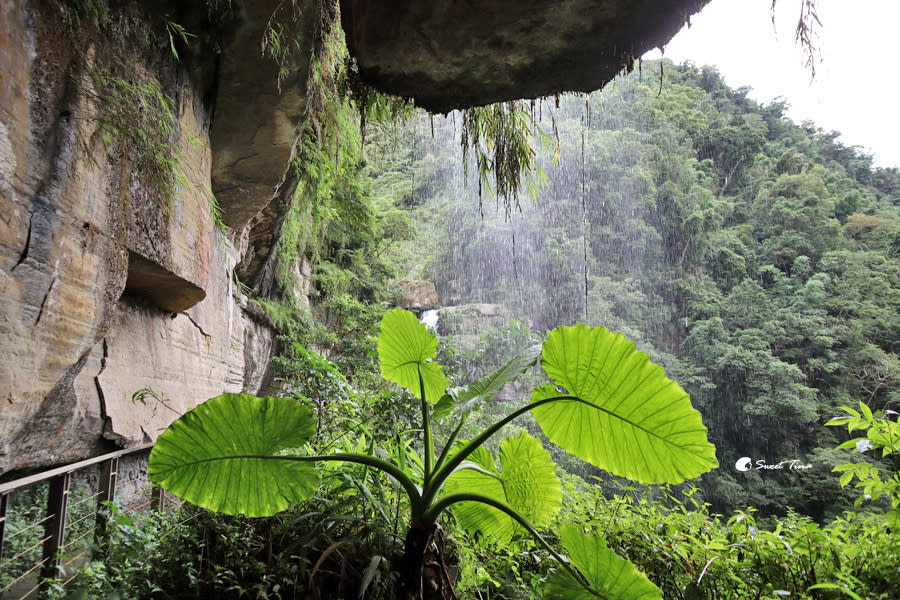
[
  {"x": 629, "y": 418},
  {"x": 478, "y": 393},
  {"x": 223, "y": 455}
]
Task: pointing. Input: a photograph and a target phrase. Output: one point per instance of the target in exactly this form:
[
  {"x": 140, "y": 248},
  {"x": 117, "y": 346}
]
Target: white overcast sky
[{"x": 856, "y": 87}]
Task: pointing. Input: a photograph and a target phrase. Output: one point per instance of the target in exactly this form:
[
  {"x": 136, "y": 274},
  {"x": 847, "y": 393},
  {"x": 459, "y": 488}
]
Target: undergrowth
[
  {"x": 690, "y": 553},
  {"x": 342, "y": 542},
  {"x": 340, "y": 545}
]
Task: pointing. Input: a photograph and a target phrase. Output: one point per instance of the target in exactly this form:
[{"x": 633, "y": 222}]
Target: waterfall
[{"x": 430, "y": 319}]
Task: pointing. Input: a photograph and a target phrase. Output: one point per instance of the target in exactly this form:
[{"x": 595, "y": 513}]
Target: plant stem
[
  {"x": 433, "y": 484},
  {"x": 426, "y": 428},
  {"x": 451, "y": 440},
  {"x": 412, "y": 491},
  {"x": 434, "y": 512}
]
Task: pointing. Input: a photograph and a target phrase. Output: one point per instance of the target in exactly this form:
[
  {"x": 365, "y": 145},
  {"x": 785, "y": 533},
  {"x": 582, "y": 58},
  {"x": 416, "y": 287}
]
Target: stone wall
[{"x": 118, "y": 305}]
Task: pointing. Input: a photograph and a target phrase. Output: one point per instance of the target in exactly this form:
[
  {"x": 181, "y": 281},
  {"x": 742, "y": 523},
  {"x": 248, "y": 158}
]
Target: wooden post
[
  {"x": 157, "y": 498},
  {"x": 106, "y": 493},
  {"x": 55, "y": 527},
  {"x": 4, "y": 502}
]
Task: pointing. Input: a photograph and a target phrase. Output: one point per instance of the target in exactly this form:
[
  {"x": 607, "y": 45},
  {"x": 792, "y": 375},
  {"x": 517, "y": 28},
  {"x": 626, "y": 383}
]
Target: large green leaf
[
  {"x": 630, "y": 419},
  {"x": 610, "y": 577},
  {"x": 405, "y": 346},
  {"x": 221, "y": 455},
  {"x": 471, "y": 397},
  {"x": 527, "y": 483}
]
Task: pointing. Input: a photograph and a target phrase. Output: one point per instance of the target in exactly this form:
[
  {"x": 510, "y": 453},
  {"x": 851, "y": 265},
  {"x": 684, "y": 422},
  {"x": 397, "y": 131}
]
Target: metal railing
[{"x": 49, "y": 520}]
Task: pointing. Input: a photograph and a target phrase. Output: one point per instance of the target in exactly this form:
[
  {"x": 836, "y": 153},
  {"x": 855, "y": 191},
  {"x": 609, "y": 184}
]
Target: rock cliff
[
  {"x": 125, "y": 126},
  {"x": 118, "y": 305}
]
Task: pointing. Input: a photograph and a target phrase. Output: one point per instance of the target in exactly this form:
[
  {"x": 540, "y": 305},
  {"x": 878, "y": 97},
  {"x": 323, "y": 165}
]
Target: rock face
[
  {"x": 118, "y": 308},
  {"x": 416, "y": 294},
  {"x": 472, "y": 319},
  {"x": 449, "y": 54}
]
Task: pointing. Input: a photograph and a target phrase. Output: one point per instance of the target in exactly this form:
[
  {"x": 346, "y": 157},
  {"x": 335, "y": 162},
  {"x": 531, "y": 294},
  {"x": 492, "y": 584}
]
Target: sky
[{"x": 855, "y": 90}]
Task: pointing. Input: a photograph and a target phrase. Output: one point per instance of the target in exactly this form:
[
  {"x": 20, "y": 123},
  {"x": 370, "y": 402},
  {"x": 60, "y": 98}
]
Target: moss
[{"x": 133, "y": 91}]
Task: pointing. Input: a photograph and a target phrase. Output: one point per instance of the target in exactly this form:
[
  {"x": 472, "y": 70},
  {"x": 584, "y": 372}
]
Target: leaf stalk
[{"x": 434, "y": 512}]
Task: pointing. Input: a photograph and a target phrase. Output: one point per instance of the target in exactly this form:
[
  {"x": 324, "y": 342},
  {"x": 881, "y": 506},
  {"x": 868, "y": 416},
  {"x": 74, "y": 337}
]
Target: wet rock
[
  {"x": 448, "y": 54},
  {"x": 472, "y": 319},
  {"x": 417, "y": 294},
  {"x": 118, "y": 310},
  {"x": 302, "y": 271}
]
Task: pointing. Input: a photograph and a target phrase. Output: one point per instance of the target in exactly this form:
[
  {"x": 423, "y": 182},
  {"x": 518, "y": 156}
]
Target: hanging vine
[
  {"x": 585, "y": 224},
  {"x": 807, "y": 33}
]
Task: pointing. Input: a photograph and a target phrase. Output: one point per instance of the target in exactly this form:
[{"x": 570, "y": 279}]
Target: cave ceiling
[{"x": 449, "y": 54}]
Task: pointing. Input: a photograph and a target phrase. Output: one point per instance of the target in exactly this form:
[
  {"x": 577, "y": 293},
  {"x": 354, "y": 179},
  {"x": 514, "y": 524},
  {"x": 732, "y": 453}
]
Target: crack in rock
[
  {"x": 45, "y": 301},
  {"x": 197, "y": 325}
]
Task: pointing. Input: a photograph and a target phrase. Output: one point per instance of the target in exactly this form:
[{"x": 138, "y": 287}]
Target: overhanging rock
[{"x": 449, "y": 54}]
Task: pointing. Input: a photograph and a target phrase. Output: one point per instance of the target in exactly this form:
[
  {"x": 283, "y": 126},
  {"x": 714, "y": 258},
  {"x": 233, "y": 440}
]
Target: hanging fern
[{"x": 502, "y": 138}]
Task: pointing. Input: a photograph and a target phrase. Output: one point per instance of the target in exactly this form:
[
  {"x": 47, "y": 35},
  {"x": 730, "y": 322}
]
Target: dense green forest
[{"x": 756, "y": 259}]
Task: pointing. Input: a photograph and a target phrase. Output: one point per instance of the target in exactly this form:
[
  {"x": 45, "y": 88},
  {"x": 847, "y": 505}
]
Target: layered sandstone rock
[{"x": 118, "y": 306}]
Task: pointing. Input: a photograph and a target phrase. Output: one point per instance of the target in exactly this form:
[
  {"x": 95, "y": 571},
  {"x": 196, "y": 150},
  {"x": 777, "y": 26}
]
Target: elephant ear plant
[{"x": 607, "y": 404}]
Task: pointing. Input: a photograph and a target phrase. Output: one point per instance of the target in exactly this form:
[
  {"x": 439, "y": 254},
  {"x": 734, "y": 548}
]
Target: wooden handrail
[
  {"x": 38, "y": 477},
  {"x": 57, "y": 502}
]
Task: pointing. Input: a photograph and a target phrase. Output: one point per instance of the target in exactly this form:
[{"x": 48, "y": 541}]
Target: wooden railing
[{"x": 34, "y": 549}]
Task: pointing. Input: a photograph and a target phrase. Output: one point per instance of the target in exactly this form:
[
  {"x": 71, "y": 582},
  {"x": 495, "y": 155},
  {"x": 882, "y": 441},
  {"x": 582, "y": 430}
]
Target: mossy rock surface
[{"x": 472, "y": 319}]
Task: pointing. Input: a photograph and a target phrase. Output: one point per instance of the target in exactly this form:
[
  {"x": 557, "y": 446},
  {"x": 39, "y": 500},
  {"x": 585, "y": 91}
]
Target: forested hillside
[{"x": 758, "y": 260}]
